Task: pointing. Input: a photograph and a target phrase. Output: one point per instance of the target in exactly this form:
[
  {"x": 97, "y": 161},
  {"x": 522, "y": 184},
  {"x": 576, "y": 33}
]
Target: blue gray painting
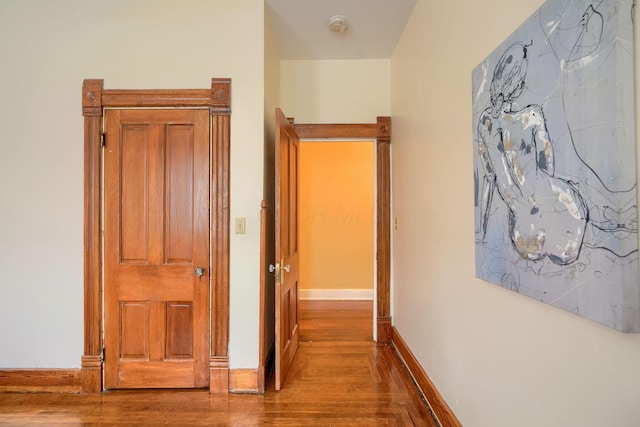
[{"x": 555, "y": 162}]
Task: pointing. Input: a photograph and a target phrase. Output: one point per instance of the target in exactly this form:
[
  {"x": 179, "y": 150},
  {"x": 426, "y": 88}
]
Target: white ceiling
[{"x": 301, "y": 27}]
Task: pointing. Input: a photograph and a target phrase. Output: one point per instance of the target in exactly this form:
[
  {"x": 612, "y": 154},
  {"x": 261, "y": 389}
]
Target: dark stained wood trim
[
  {"x": 268, "y": 366},
  {"x": 167, "y": 98},
  {"x": 91, "y": 361},
  {"x": 346, "y": 130},
  {"x": 217, "y": 99},
  {"x": 383, "y": 128},
  {"x": 262, "y": 380},
  {"x": 381, "y": 132},
  {"x": 267, "y": 291},
  {"x": 243, "y": 381},
  {"x": 434, "y": 399},
  {"x": 383, "y": 228},
  {"x": 94, "y": 100},
  {"x": 41, "y": 380},
  {"x": 92, "y": 373},
  {"x": 383, "y": 327},
  {"x": 220, "y": 97},
  {"x": 263, "y": 285},
  {"x": 220, "y": 194},
  {"x": 219, "y": 374}
]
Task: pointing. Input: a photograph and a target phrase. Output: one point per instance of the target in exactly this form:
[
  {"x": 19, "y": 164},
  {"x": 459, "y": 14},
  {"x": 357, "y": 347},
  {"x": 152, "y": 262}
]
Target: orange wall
[{"x": 336, "y": 215}]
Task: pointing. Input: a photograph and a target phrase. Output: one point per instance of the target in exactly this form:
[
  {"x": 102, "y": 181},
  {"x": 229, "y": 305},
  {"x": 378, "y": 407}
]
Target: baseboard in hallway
[
  {"x": 336, "y": 294},
  {"x": 436, "y": 402}
]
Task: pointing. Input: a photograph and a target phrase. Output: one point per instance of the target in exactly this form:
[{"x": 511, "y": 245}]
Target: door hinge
[
  {"x": 102, "y": 139},
  {"x": 103, "y": 353}
]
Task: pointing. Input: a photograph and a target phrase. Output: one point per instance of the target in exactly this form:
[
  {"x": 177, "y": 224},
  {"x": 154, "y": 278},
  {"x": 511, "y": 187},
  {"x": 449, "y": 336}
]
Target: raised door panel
[
  {"x": 179, "y": 198},
  {"x": 134, "y": 196}
]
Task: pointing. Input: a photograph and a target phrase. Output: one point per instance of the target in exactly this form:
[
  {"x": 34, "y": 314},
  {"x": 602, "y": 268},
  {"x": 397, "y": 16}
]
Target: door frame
[
  {"x": 218, "y": 100},
  {"x": 380, "y": 132}
]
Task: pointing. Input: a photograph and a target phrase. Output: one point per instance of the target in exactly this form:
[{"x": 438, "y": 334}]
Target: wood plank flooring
[{"x": 339, "y": 378}]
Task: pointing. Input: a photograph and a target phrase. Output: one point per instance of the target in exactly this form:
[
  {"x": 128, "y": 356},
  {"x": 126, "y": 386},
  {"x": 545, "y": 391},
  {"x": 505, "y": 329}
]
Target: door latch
[{"x": 277, "y": 269}]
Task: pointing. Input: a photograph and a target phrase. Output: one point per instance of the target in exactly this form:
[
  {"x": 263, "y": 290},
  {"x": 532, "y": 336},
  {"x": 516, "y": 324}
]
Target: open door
[{"x": 287, "y": 257}]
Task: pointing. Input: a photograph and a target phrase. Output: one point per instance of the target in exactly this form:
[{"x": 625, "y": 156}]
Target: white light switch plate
[{"x": 241, "y": 225}]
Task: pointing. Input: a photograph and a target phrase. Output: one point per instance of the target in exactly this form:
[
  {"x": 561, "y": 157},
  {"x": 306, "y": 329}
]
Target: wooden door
[
  {"x": 156, "y": 248},
  {"x": 287, "y": 256}
]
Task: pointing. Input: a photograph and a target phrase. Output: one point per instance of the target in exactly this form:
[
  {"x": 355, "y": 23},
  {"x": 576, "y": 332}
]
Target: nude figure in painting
[{"x": 547, "y": 215}]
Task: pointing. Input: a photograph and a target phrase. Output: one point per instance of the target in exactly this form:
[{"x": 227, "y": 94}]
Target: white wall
[
  {"x": 335, "y": 91},
  {"x": 498, "y": 358},
  {"x": 271, "y": 101},
  {"x": 47, "y": 49}
]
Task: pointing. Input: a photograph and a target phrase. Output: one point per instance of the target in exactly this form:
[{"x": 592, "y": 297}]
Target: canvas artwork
[{"x": 555, "y": 162}]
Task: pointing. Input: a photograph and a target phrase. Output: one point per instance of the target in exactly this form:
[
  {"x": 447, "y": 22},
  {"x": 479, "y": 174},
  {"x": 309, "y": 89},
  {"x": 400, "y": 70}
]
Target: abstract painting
[{"x": 555, "y": 162}]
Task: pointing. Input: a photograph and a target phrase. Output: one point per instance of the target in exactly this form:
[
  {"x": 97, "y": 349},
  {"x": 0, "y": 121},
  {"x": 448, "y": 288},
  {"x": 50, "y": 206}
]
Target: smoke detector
[{"x": 338, "y": 24}]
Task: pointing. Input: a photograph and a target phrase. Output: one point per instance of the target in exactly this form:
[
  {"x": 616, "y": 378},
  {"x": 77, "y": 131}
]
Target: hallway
[{"x": 339, "y": 378}]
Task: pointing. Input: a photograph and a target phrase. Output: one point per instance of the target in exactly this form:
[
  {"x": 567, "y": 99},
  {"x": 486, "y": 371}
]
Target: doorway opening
[
  {"x": 288, "y": 136},
  {"x": 337, "y": 234},
  {"x": 380, "y": 132}
]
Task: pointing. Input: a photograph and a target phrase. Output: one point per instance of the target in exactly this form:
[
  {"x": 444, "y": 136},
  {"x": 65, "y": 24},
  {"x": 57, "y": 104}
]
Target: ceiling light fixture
[{"x": 338, "y": 24}]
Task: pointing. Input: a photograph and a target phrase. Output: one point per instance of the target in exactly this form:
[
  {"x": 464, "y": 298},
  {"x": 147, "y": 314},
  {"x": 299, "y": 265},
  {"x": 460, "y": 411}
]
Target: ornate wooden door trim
[
  {"x": 218, "y": 100},
  {"x": 381, "y": 133}
]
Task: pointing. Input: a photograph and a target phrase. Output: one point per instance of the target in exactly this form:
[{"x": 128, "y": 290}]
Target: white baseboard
[{"x": 336, "y": 294}]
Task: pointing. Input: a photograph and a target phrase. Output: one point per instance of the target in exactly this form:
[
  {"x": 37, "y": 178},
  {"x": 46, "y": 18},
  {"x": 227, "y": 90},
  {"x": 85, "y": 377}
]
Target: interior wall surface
[
  {"x": 498, "y": 358},
  {"x": 271, "y": 101},
  {"x": 335, "y": 91},
  {"x": 48, "y": 48},
  {"x": 336, "y": 215}
]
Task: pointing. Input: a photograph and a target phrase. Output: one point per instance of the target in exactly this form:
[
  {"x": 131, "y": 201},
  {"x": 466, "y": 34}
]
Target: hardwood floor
[{"x": 339, "y": 378}]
